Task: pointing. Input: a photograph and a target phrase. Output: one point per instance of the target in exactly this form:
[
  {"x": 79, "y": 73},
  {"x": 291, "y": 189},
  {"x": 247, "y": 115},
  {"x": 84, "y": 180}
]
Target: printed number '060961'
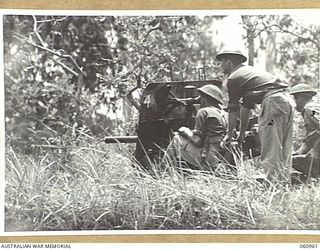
[{"x": 308, "y": 246}]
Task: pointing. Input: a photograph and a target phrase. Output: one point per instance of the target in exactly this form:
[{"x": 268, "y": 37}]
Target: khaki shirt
[
  {"x": 311, "y": 116},
  {"x": 211, "y": 123},
  {"x": 250, "y": 85}
]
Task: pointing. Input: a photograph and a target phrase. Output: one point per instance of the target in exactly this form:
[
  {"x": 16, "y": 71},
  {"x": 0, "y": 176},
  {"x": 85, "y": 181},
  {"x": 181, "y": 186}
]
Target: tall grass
[{"x": 99, "y": 187}]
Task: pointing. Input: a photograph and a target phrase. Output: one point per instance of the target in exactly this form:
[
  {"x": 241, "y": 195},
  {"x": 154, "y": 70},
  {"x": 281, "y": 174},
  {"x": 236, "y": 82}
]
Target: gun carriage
[{"x": 164, "y": 108}]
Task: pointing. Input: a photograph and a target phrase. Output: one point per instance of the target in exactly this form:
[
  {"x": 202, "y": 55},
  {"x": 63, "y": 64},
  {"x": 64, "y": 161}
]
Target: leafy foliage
[
  {"x": 60, "y": 69},
  {"x": 298, "y": 46}
]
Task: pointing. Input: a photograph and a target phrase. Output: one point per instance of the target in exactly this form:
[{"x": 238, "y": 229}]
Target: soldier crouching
[
  {"x": 200, "y": 148},
  {"x": 306, "y": 159}
]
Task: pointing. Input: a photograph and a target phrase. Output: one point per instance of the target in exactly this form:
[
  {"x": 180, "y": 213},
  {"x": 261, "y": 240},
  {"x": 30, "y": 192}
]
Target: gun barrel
[
  {"x": 184, "y": 101},
  {"x": 120, "y": 139}
]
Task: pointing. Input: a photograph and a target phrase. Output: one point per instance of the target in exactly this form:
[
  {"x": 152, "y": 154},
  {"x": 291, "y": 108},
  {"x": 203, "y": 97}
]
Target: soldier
[
  {"x": 247, "y": 87},
  {"x": 307, "y": 157},
  {"x": 201, "y": 147}
]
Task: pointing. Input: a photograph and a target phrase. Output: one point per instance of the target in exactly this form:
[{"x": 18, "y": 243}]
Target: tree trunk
[
  {"x": 271, "y": 52},
  {"x": 250, "y": 46},
  {"x": 250, "y": 38}
]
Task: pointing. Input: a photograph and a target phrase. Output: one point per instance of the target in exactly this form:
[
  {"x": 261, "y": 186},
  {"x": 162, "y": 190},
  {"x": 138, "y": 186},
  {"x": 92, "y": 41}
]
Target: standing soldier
[
  {"x": 307, "y": 157},
  {"x": 201, "y": 147},
  {"x": 246, "y": 87}
]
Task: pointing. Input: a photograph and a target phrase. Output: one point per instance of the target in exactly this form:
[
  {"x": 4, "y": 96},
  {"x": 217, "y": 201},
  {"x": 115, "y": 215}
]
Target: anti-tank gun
[{"x": 164, "y": 108}]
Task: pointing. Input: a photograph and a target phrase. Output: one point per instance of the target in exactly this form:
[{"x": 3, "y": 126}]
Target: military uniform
[
  {"x": 210, "y": 126},
  {"x": 248, "y": 86},
  {"x": 201, "y": 147},
  {"x": 309, "y": 164}
]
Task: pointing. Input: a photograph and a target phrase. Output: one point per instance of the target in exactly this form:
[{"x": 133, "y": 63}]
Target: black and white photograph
[{"x": 160, "y": 121}]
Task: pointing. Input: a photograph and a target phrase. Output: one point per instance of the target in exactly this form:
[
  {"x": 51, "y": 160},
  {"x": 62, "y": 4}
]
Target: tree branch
[
  {"x": 151, "y": 30},
  {"x": 132, "y": 70},
  {"x": 280, "y": 29},
  {"x": 53, "y": 20},
  {"x": 299, "y": 36},
  {"x": 157, "y": 27},
  {"x": 35, "y": 30},
  {"x": 53, "y": 53},
  {"x": 67, "y": 68},
  {"x": 129, "y": 96},
  {"x": 313, "y": 39},
  {"x": 132, "y": 100}
]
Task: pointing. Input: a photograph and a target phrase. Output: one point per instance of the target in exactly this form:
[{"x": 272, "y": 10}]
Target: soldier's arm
[
  {"x": 199, "y": 128},
  {"x": 232, "y": 120},
  {"x": 311, "y": 116},
  {"x": 233, "y": 107},
  {"x": 244, "y": 121}
]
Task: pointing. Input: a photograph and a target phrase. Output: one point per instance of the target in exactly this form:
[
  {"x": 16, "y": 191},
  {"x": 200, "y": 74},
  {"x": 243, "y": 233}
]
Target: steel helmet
[
  {"x": 233, "y": 52},
  {"x": 301, "y": 88},
  {"x": 212, "y": 91}
]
